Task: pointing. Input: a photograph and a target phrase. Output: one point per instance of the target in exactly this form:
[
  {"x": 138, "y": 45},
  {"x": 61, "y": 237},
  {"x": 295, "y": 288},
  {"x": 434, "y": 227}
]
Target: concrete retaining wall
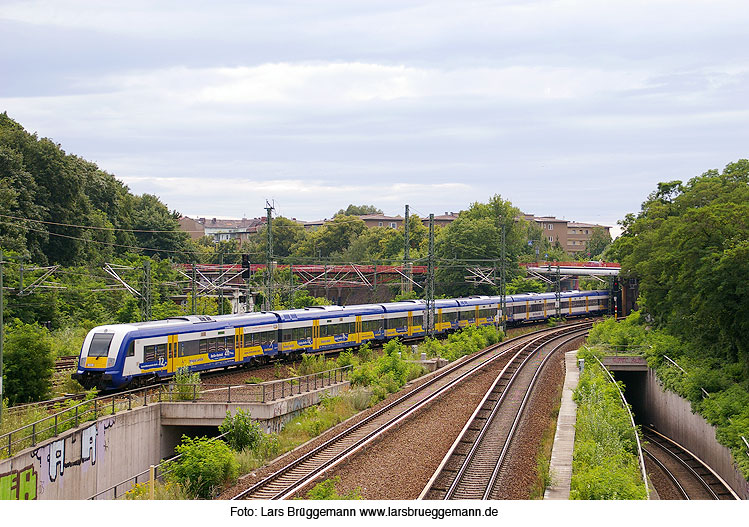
[
  {"x": 99, "y": 455},
  {"x": 84, "y": 461},
  {"x": 673, "y": 416}
]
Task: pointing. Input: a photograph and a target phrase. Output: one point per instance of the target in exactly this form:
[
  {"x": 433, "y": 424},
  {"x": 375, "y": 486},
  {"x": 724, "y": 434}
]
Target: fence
[
  {"x": 261, "y": 392},
  {"x": 31, "y": 434}
]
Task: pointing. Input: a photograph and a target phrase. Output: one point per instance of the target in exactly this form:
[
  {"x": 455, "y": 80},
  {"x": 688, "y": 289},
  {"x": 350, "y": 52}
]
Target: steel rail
[
  {"x": 359, "y": 443},
  {"x": 516, "y": 422},
  {"x": 523, "y": 357},
  {"x": 669, "y": 475},
  {"x": 673, "y": 449}
]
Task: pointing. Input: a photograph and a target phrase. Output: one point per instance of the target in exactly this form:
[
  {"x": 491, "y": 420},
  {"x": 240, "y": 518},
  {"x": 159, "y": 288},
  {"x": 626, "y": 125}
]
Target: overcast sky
[{"x": 575, "y": 109}]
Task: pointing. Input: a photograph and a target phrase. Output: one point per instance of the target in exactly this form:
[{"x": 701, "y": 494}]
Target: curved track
[
  {"x": 690, "y": 478},
  {"x": 288, "y": 480}
]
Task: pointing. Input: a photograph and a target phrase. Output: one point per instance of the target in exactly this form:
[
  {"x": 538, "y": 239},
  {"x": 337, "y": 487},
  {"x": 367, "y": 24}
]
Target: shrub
[
  {"x": 364, "y": 354},
  {"x": 204, "y": 467},
  {"x": 345, "y": 358},
  {"x": 605, "y": 463},
  {"x": 187, "y": 384},
  {"x": 241, "y": 432},
  {"x": 28, "y": 363}
]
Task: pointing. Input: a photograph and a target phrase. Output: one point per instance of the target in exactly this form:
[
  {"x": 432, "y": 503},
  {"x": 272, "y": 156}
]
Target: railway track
[
  {"x": 477, "y": 459},
  {"x": 294, "y": 476},
  {"x": 688, "y": 477}
]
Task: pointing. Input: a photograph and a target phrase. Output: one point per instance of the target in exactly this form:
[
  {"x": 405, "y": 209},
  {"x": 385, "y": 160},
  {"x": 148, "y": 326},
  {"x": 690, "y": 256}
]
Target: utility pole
[
  {"x": 430, "y": 280},
  {"x": 406, "y": 263},
  {"x": 147, "y": 290},
  {"x": 558, "y": 291},
  {"x": 220, "y": 287},
  {"x": 269, "y": 258},
  {"x": 247, "y": 275},
  {"x": 194, "y": 289},
  {"x": 503, "y": 279}
]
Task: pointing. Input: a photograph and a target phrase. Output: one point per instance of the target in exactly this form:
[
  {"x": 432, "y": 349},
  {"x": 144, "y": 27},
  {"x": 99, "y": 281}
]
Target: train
[{"x": 119, "y": 356}]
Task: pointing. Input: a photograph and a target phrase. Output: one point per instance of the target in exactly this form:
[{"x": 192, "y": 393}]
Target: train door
[
  {"x": 171, "y": 354},
  {"x": 358, "y": 329},
  {"x": 238, "y": 344},
  {"x": 410, "y": 330},
  {"x": 527, "y": 310},
  {"x": 315, "y": 335},
  {"x": 439, "y": 320}
]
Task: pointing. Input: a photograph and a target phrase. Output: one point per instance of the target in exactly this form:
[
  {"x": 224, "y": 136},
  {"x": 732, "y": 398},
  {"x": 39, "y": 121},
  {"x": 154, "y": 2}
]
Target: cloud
[{"x": 566, "y": 107}]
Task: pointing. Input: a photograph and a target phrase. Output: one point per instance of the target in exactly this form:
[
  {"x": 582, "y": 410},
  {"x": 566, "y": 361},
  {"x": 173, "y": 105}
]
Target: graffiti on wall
[
  {"x": 18, "y": 484},
  {"x": 51, "y": 461}
]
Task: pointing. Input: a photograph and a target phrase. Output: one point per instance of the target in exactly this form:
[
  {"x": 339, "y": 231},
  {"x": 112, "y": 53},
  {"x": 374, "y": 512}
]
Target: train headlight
[
  {"x": 82, "y": 362},
  {"x": 110, "y": 362}
]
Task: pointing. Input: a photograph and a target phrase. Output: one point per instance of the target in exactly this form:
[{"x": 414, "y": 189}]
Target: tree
[
  {"x": 28, "y": 363},
  {"x": 599, "y": 240},
  {"x": 358, "y": 210},
  {"x": 474, "y": 239},
  {"x": 332, "y": 239},
  {"x": 688, "y": 248},
  {"x": 286, "y": 235}
]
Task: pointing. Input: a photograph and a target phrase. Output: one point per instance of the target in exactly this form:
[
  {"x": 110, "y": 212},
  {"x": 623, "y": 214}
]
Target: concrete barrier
[
  {"x": 673, "y": 416},
  {"x": 98, "y": 455}
]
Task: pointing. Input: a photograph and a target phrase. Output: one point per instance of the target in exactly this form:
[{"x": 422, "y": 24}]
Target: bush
[
  {"x": 187, "y": 384},
  {"x": 605, "y": 463},
  {"x": 241, "y": 432},
  {"x": 204, "y": 468},
  {"x": 28, "y": 363}
]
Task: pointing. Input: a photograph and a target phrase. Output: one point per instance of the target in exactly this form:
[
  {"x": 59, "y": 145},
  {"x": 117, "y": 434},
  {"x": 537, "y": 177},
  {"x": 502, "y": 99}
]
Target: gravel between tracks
[
  {"x": 522, "y": 456},
  {"x": 252, "y": 478},
  {"x": 399, "y": 465}
]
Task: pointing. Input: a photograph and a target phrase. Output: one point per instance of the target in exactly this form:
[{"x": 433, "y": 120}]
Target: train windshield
[{"x": 100, "y": 345}]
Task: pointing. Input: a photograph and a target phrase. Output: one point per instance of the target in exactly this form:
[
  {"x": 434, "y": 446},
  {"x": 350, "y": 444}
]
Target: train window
[
  {"x": 189, "y": 347},
  {"x": 203, "y": 346},
  {"x": 212, "y": 345},
  {"x": 401, "y": 322},
  {"x": 417, "y": 320},
  {"x": 160, "y": 351},
  {"x": 265, "y": 337},
  {"x": 131, "y": 349},
  {"x": 371, "y": 325},
  {"x": 149, "y": 353},
  {"x": 450, "y": 316},
  {"x": 467, "y": 314},
  {"x": 100, "y": 345}
]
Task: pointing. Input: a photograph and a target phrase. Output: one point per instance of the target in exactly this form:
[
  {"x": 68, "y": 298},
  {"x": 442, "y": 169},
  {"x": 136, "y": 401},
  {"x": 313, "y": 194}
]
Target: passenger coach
[{"x": 119, "y": 355}]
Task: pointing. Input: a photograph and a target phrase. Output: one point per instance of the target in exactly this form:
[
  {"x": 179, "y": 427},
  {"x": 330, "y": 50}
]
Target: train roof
[
  {"x": 191, "y": 323},
  {"x": 475, "y": 301},
  {"x": 320, "y": 312}
]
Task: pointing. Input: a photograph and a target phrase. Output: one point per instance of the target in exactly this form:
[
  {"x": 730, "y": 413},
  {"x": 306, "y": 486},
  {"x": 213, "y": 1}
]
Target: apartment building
[{"x": 570, "y": 235}]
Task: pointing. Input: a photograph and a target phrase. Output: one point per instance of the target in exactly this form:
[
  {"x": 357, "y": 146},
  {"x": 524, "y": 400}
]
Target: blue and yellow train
[{"x": 121, "y": 355}]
